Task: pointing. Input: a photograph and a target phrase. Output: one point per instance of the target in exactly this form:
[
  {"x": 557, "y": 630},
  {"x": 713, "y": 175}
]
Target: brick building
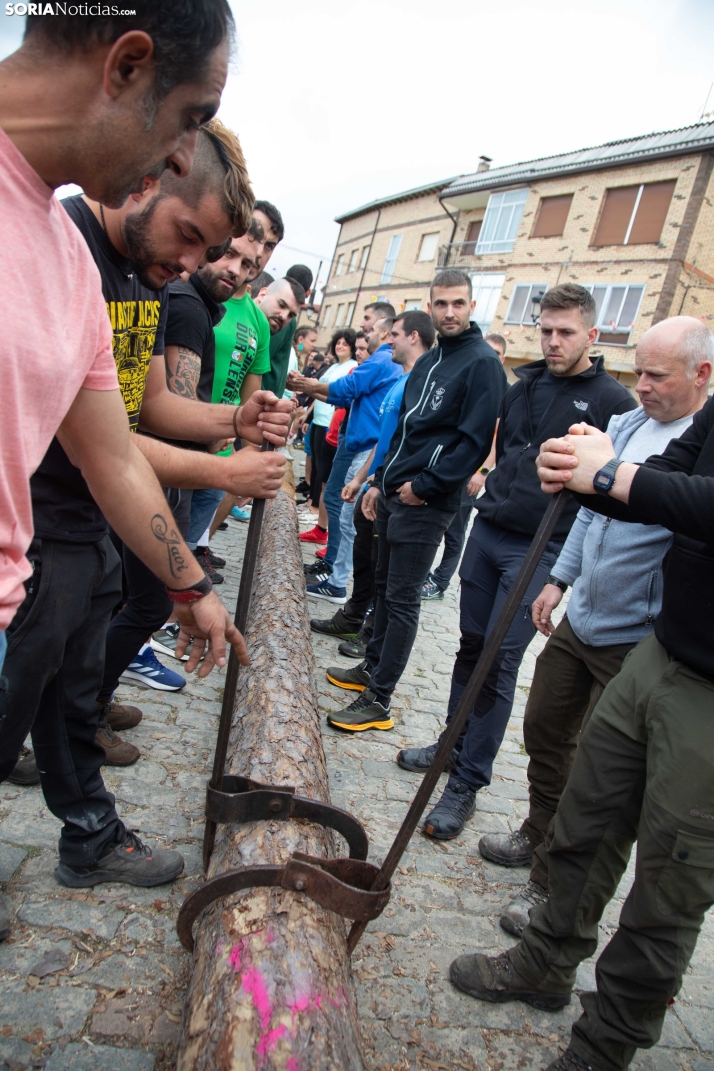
[{"x": 631, "y": 220}]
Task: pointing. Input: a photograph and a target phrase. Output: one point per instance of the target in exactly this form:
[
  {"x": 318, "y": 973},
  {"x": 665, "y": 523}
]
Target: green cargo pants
[{"x": 644, "y": 771}]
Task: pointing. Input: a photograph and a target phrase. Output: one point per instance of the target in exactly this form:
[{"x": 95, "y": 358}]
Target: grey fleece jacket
[{"x": 615, "y": 567}]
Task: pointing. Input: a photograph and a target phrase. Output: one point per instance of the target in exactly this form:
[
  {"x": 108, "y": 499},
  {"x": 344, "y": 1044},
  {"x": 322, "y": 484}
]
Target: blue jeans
[
  {"x": 343, "y": 562},
  {"x": 333, "y": 498},
  {"x": 203, "y": 506},
  {"x": 491, "y": 562}
]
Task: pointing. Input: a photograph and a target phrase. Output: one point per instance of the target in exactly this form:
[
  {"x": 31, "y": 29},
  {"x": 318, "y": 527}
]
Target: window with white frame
[
  {"x": 340, "y": 317},
  {"x": 520, "y": 309},
  {"x": 616, "y": 308},
  {"x": 427, "y": 249},
  {"x": 391, "y": 261},
  {"x": 501, "y": 222},
  {"x": 353, "y": 260},
  {"x": 327, "y": 316},
  {"x": 350, "y": 310},
  {"x": 340, "y": 264},
  {"x": 487, "y": 288},
  {"x": 365, "y": 256}
]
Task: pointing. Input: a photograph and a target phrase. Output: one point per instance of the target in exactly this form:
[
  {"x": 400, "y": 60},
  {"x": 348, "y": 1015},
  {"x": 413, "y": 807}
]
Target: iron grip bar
[
  {"x": 245, "y": 590},
  {"x": 473, "y": 688}
]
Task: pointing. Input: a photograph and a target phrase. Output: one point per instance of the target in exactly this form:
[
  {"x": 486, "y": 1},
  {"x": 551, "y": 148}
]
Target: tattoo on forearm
[
  {"x": 172, "y": 540},
  {"x": 183, "y": 372}
]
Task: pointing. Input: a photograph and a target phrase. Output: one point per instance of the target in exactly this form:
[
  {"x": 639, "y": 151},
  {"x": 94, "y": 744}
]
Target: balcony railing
[{"x": 457, "y": 255}]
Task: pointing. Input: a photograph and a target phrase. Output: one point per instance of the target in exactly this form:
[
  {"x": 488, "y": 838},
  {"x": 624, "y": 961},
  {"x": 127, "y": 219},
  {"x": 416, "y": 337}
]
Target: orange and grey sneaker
[
  {"x": 355, "y": 678},
  {"x": 365, "y": 713},
  {"x": 131, "y": 862}
]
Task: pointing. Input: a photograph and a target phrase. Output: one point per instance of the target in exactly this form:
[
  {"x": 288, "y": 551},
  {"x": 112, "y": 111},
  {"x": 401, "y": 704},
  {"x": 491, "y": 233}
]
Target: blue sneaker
[
  {"x": 240, "y": 514},
  {"x": 147, "y": 669},
  {"x": 325, "y": 590}
]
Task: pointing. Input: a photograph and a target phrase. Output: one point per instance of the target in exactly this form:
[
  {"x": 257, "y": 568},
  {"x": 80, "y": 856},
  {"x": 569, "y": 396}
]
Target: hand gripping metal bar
[
  {"x": 344, "y": 886},
  {"x": 466, "y": 703},
  {"x": 240, "y": 799}
]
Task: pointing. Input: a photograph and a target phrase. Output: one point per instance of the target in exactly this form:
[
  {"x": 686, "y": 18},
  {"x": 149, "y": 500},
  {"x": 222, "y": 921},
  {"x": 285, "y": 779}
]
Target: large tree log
[{"x": 271, "y": 986}]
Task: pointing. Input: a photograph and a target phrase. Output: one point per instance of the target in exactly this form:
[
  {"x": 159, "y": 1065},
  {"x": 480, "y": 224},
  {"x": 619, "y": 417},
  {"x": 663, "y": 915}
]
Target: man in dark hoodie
[
  {"x": 549, "y": 395},
  {"x": 446, "y": 422}
]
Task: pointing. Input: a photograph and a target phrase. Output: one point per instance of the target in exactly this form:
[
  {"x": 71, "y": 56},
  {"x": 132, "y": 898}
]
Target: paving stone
[
  {"x": 699, "y": 1023},
  {"x": 14, "y": 1052},
  {"x": 73, "y": 915},
  {"x": 134, "y": 972},
  {"x": 10, "y": 859},
  {"x": 99, "y": 1058},
  {"x": 55, "y": 1011},
  {"x": 18, "y": 958}
]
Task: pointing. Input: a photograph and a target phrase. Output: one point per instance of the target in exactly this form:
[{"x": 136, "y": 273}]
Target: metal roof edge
[{"x": 394, "y": 198}]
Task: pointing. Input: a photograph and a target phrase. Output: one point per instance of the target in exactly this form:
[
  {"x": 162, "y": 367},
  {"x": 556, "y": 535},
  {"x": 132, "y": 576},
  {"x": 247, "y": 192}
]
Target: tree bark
[{"x": 271, "y": 986}]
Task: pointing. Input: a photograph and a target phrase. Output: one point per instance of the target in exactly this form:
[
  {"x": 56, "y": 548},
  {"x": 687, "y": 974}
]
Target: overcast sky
[{"x": 338, "y": 103}]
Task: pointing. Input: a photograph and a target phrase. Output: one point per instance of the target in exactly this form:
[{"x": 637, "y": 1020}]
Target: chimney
[{"x": 484, "y": 163}]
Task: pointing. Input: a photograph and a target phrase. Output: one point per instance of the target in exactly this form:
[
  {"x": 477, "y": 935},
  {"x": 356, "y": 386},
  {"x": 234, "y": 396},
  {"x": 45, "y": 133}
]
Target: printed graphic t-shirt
[
  {"x": 242, "y": 346},
  {"x": 62, "y": 503},
  {"x": 55, "y": 340}
]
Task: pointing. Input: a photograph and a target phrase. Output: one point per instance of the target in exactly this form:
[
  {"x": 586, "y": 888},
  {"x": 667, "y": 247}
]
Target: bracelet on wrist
[
  {"x": 558, "y": 583},
  {"x": 193, "y": 594},
  {"x": 236, "y": 410}
]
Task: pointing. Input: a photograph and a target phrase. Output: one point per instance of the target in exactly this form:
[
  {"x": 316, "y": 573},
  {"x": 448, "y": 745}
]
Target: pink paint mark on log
[
  {"x": 300, "y": 1004},
  {"x": 235, "y": 958},
  {"x": 267, "y": 1043},
  {"x": 292, "y": 1065},
  {"x": 254, "y": 984},
  {"x": 269, "y": 937}
]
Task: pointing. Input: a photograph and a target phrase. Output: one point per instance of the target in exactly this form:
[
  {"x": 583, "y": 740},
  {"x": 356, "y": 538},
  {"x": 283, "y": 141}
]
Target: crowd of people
[{"x": 138, "y": 391}]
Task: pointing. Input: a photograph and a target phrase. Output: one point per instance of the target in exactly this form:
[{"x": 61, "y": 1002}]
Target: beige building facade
[{"x": 633, "y": 221}]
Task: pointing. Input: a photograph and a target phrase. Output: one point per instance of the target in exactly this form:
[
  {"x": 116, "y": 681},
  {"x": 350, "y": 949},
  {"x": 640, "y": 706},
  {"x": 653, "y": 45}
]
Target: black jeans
[
  {"x": 454, "y": 537},
  {"x": 364, "y": 567},
  {"x": 53, "y": 668},
  {"x": 146, "y": 605},
  {"x": 408, "y": 537}
]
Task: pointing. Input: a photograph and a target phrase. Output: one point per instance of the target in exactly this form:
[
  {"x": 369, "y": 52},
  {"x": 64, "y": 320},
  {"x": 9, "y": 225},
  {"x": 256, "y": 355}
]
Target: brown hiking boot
[
  {"x": 118, "y": 752},
  {"x": 120, "y": 716},
  {"x": 494, "y": 978}
]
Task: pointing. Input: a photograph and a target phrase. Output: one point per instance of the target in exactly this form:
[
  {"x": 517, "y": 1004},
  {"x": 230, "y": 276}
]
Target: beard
[
  {"x": 141, "y": 251},
  {"x": 563, "y": 366},
  {"x": 214, "y": 285}
]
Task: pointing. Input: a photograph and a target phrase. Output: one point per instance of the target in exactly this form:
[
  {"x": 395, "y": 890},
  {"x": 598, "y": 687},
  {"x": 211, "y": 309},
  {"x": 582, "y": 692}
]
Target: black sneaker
[
  {"x": 419, "y": 759},
  {"x": 216, "y": 562},
  {"x": 355, "y": 678},
  {"x": 204, "y": 561},
  {"x": 456, "y": 806},
  {"x": 327, "y": 627},
  {"x": 570, "y": 1061},
  {"x": 365, "y": 713},
  {"x": 25, "y": 771},
  {"x": 131, "y": 862},
  {"x": 317, "y": 571},
  {"x": 302, "y": 488},
  {"x": 222, "y": 527},
  {"x": 431, "y": 590},
  {"x": 495, "y": 979},
  {"x": 355, "y": 648}
]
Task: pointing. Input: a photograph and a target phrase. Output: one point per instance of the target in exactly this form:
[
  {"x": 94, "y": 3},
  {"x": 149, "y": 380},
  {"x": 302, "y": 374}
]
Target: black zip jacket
[
  {"x": 676, "y": 489},
  {"x": 446, "y": 421},
  {"x": 513, "y": 499}
]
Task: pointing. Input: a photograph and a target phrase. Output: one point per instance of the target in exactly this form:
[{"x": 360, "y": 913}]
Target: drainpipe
[
  {"x": 329, "y": 276},
  {"x": 455, "y": 221},
  {"x": 364, "y": 269}
]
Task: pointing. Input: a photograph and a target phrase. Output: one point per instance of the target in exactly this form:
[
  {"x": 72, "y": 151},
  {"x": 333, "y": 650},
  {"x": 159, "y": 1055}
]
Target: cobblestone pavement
[{"x": 94, "y": 981}]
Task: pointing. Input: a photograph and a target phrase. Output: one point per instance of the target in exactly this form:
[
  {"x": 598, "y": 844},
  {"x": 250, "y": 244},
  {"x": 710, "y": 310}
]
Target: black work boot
[
  {"x": 367, "y": 712},
  {"x": 507, "y": 849},
  {"x": 420, "y": 759},
  {"x": 131, "y": 862},
  {"x": 339, "y": 625},
  {"x": 355, "y": 678},
  {"x": 25, "y": 771},
  {"x": 570, "y": 1061},
  {"x": 451, "y": 813},
  {"x": 495, "y": 979}
]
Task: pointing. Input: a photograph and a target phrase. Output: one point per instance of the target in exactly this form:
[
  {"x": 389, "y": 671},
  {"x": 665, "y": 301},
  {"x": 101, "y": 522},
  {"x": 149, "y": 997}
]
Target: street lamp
[{"x": 535, "y": 306}]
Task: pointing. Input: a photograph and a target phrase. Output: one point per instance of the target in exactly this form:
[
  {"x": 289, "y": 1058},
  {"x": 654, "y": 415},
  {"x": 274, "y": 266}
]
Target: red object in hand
[{"x": 314, "y": 535}]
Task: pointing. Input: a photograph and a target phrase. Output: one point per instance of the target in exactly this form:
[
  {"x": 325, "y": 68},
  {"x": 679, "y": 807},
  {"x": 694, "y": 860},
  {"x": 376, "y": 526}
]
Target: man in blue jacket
[
  {"x": 615, "y": 569},
  {"x": 445, "y": 429},
  {"x": 551, "y": 393},
  {"x": 362, "y": 391}
]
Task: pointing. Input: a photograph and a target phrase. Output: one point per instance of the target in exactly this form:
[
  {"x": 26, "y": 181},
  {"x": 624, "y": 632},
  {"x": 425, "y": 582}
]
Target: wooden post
[{"x": 271, "y": 986}]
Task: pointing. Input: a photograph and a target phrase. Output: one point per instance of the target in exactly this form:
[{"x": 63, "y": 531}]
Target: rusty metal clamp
[
  {"x": 340, "y": 885},
  {"x": 240, "y": 799}
]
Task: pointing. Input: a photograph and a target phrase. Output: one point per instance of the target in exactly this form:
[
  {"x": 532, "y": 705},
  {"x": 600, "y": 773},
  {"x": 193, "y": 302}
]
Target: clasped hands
[{"x": 573, "y": 460}]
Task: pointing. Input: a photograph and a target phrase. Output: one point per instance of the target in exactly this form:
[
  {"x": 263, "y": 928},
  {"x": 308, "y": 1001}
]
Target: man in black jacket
[
  {"x": 446, "y": 422},
  {"x": 644, "y": 771},
  {"x": 549, "y": 394}
]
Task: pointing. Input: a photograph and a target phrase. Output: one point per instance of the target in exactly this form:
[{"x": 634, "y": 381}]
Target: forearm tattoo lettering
[
  {"x": 183, "y": 374},
  {"x": 172, "y": 541}
]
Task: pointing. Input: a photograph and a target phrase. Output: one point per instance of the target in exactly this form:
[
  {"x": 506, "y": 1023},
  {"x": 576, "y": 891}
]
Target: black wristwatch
[
  {"x": 484, "y": 470},
  {"x": 605, "y": 477},
  {"x": 558, "y": 583}
]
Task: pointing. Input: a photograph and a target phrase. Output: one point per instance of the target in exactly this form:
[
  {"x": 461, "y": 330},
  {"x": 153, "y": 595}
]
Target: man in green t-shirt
[
  {"x": 281, "y": 341},
  {"x": 242, "y": 350}
]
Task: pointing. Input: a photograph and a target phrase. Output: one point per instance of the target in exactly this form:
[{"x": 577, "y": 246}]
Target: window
[
  {"x": 353, "y": 260},
  {"x": 427, "y": 249},
  {"x": 350, "y": 311},
  {"x": 365, "y": 255},
  {"x": 340, "y": 318},
  {"x": 339, "y": 264},
  {"x": 616, "y": 311},
  {"x": 486, "y": 291},
  {"x": 390, "y": 262},
  {"x": 327, "y": 317},
  {"x": 472, "y": 237},
  {"x": 500, "y": 224},
  {"x": 634, "y": 215},
  {"x": 412, "y": 304},
  {"x": 519, "y": 311},
  {"x": 552, "y": 215}
]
